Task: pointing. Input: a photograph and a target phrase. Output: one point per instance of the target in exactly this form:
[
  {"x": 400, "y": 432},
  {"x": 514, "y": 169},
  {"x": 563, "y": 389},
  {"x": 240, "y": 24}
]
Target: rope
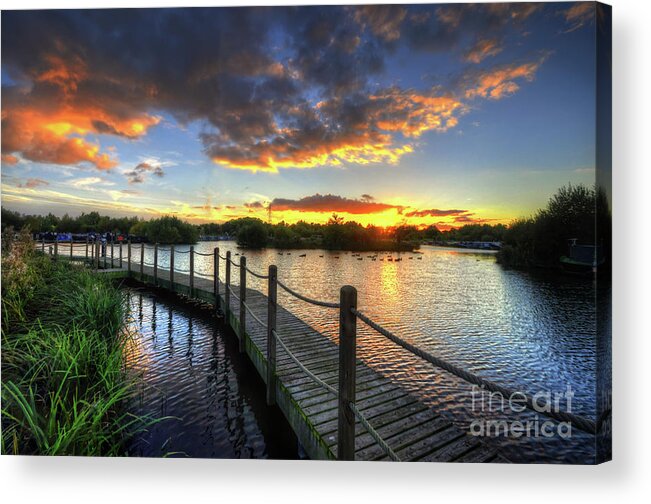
[
  {"x": 307, "y": 299},
  {"x": 374, "y": 434},
  {"x": 583, "y": 424},
  {"x": 255, "y": 316},
  {"x": 234, "y": 263},
  {"x": 202, "y": 254},
  {"x": 181, "y": 251},
  {"x": 309, "y": 373},
  {"x": 181, "y": 270},
  {"x": 221, "y": 257},
  {"x": 257, "y": 275},
  {"x": 233, "y": 293},
  {"x": 151, "y": 265}
]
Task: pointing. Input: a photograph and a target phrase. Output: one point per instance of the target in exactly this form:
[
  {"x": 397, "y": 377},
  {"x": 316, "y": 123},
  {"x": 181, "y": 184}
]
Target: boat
[{"x": 582, "y": 259}]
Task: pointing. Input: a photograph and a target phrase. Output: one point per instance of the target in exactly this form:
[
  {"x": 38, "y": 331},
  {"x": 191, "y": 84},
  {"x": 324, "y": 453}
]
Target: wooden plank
[{"x": 410, "y": 427}]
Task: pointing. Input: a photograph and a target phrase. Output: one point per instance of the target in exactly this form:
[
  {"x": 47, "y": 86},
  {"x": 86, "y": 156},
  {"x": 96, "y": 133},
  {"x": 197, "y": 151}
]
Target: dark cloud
[
  {"x": 139, "y": 174},
  {"x": 255, "y": 204},
  {"x": 32, "y": 183},
  {"x": 435, "y": 212},
  {"x": 331, "y": 203},
  {"x": 469, "y": 219},
  {"x": 384, "y": 21},
  {"x": 271, "y": 87},
  {"x": 448, "y": 27}
]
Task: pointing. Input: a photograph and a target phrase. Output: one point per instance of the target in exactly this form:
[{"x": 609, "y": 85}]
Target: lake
[
  {"x": 532, "y": 332},
  {"x": 211, "y": 396}
]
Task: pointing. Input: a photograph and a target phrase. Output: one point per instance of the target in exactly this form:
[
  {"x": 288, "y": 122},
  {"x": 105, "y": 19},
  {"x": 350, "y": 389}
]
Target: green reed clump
[{"x": 64, "y": 383}]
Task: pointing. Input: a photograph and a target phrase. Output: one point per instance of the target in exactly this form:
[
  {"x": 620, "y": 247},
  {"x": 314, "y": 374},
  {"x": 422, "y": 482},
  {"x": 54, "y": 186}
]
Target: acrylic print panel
[{"x": 343, "y": 232}]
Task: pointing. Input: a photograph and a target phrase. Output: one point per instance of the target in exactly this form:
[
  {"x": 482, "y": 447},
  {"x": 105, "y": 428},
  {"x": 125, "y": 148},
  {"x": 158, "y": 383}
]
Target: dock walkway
[{"x": 339, "y": 407}]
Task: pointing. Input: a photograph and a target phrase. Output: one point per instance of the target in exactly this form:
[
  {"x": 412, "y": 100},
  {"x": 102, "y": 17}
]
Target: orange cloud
[
  {"x": 483, "y": 49},
  {"x": 500, "y": 82},
  {"x": 9, "y": 159},
  {"x": 435, "y": 212},
  {"x": 58, "y": 136},
  {"x": 413, "y": 114},
  {"x": 328, "y": 203},
  {"x": 361, "y": 147},
  {"x": 578, "y": 15},
  {"x": 369, "y": 136},
  {"x": 50, "y": 123}
]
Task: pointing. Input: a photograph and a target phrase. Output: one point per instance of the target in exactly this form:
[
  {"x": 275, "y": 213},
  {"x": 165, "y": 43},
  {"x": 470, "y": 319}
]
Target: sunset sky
[{"x": 425, "y": 114}]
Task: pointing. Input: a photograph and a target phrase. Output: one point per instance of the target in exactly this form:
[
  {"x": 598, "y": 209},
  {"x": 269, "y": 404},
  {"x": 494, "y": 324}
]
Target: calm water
[
  {"x": 530, "y": 332},
  {"x": 193, "y": 373}
]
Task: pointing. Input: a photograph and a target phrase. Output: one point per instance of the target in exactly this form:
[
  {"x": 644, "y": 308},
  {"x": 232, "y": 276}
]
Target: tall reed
[{"x": 65, "y": 389}]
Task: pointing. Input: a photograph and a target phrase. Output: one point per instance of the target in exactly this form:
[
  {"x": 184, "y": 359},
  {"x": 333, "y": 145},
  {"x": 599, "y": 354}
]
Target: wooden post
[
  {"x": 215, "y": 286},
  {"x": 97, "y": 245},
  {"x": 227, "y": 288},
  {"x": 129, "y": 255},
  {"x": 155, "y": 263},
  {"x": 105, "y": 252},
  {"x": 86, "y": 248},
  {"x": 172, "y": 268},
  {"x": 242, "y": 302},
  {"x": 120, "y": 247},
  {"x": 142, "y": 261},
  {"x": 347, "y": 351},
  {"x": 43, "y": 245},
  {"x": 56, "y": 247},
  {"x": 112, "y": 243},
  {"x": 192, "y": 270},
  {"x": 71, "y": 244},
  {"x": 272, "y": 295},
  {"x": 50, "y": 250}
]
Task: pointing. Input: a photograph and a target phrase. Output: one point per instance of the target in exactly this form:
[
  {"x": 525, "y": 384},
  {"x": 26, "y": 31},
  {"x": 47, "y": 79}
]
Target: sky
[{"x": 444, "y": 114}]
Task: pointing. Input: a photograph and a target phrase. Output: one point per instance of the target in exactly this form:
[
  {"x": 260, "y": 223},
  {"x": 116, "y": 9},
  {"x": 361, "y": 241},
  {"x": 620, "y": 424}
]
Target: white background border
[{"x": 627, "y": 478}]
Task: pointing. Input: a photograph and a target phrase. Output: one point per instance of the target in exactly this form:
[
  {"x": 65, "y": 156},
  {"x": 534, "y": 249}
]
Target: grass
[{"x": 65, "y": 388}]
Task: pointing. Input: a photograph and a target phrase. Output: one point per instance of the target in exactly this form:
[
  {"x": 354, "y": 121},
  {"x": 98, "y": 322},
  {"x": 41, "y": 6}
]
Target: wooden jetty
[{"x": 339, "y": 407}]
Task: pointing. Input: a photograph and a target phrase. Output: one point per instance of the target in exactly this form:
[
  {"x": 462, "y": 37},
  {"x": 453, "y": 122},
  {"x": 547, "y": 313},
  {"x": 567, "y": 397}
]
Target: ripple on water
[
  {"x": 193, "y": 375},
  {"x": 531, "y": 332}
]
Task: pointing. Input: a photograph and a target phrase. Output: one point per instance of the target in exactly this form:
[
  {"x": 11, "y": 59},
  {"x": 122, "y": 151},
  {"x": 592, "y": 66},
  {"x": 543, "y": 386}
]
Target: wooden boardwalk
[{"x": 413, "y": 430}]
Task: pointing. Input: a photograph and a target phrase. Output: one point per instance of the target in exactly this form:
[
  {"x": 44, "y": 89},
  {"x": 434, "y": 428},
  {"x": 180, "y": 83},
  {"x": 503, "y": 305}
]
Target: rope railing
[
  {"x": 316, "y": 302},
  {"x": 257, "y": 275},
  {"x": 255, "y": 317},
  {"x": 373, "y": 433},
  {"x": 233, "y": 293},
  {"x": 329, "y": 388},
  {"x": 349, "y": 412},
  {"x": 582, "y": 423},
  {"x": 302, "y": 367}
]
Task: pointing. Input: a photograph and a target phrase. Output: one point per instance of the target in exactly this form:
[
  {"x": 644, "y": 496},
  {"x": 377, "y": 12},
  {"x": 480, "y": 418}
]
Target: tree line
[
  {"x": 574, "y": 212},
  {"x": 167, "y": 229}
]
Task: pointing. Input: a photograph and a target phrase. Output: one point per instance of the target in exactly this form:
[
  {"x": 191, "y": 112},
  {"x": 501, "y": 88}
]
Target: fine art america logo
[{"x": 496, "y": 403}]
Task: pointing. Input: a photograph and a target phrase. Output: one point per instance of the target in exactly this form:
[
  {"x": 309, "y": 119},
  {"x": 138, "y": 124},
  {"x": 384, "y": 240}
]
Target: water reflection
[
  {"x": 528, "y": 331},
  {"x": 194, "y": 374}
]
